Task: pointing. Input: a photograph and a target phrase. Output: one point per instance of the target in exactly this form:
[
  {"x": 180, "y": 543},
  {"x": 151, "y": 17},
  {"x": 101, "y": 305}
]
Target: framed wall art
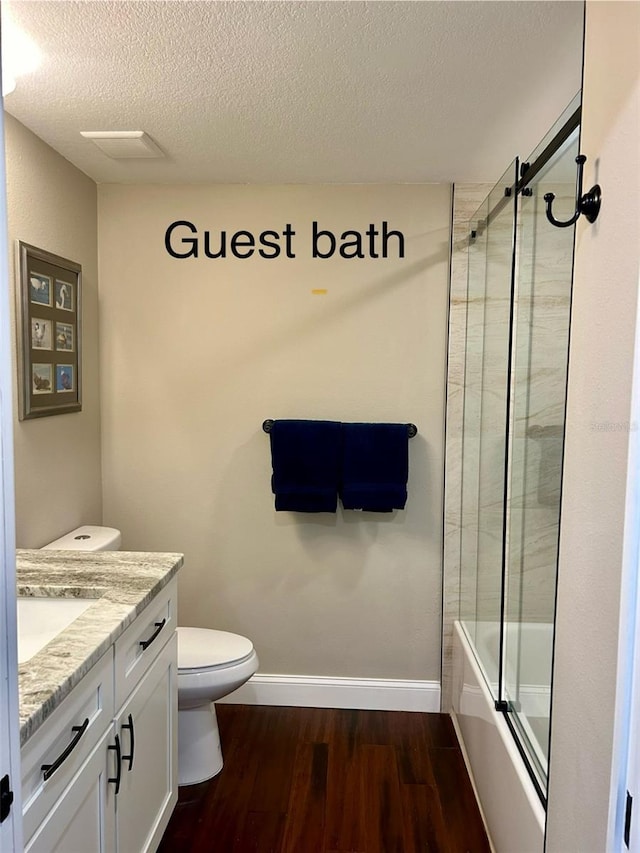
[{"x": 49, "y": 359}]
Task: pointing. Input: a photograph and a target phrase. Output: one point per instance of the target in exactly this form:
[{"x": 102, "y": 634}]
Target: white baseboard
[{"x": 313, "y": 691}]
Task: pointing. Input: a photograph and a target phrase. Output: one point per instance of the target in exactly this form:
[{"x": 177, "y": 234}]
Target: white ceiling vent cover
[{"x": 123, "y": 144}]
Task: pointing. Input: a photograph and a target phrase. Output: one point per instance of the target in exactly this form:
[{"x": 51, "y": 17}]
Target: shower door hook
[{"x": 589, "y": 203}]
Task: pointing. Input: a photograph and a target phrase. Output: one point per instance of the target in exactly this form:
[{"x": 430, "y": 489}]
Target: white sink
[{"x": 42, "y": 619}]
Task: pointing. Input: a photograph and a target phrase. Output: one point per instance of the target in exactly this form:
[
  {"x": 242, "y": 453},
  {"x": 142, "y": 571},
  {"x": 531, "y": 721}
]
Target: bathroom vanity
[{"x": 98, "y": 702}]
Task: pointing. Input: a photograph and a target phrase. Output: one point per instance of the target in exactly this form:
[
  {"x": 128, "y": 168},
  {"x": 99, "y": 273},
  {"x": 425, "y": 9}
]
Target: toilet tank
[{"x": 90, "y": 537}]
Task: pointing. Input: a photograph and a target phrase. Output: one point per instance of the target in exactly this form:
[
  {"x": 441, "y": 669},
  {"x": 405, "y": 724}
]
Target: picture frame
[{"x": 49, "y": 297}]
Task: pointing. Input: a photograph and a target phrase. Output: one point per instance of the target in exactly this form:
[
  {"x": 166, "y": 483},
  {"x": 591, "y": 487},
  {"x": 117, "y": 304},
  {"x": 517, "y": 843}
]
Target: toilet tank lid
[
  {"x": 89, "y": 537},
  {"x": 202, "y": 647}
]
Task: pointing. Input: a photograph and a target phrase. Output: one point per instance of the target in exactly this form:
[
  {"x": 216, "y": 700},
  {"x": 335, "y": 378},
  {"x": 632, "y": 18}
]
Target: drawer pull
[
  {"x": 129, "y": 757},
  {"x": 50, "y": 769},
  {"x": 116, "y": 779},
  {"x": 159, "y": 626}
]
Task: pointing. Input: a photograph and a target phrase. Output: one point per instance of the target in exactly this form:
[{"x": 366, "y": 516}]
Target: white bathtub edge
[{"x": 502, "y": 783}]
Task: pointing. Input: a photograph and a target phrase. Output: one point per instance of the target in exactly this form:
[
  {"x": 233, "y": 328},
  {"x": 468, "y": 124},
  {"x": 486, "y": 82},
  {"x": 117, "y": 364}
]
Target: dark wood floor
[{"x": 308, "y": 780}]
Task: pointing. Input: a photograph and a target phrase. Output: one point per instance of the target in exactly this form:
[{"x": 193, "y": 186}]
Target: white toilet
[{"x": 211, "y": 664}]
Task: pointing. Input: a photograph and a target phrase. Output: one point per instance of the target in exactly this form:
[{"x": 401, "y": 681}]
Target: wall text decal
[{"x": 182, "y": 239}]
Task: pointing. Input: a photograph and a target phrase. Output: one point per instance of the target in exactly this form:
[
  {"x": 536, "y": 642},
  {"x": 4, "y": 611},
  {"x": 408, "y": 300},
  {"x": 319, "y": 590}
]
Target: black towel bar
[{"x": 267, "y": 426}]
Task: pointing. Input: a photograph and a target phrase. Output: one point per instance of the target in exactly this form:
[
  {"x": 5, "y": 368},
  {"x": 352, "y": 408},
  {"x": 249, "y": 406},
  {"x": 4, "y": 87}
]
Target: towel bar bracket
[{"x": 267, "y": 426}]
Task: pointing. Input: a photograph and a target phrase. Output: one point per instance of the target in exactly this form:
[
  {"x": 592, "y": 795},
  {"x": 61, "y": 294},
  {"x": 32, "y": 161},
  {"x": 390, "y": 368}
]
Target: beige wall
[
  {"x": 52, "y": 205},
  {"x": 197, "y": 353},
  {"x": 600, "y": 378}
]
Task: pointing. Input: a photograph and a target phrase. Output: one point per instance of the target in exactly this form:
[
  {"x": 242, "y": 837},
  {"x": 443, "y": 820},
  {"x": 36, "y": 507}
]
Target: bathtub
[
  {"x": 528, "y": 665},
  {"x": 511, "y": 807}
]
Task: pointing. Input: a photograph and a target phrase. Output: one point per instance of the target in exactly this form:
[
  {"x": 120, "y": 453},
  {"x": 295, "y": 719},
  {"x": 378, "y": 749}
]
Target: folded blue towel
[
  {"x": 375, "y": 466},
  {"x": 306, "y": 458}
]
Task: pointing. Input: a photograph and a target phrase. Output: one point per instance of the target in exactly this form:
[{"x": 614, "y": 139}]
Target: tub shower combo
[{"x": 518, "y": 305}]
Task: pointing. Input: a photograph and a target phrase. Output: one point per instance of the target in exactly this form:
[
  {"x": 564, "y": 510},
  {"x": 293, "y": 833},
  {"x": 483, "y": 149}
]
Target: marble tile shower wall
[
  {"x": 482, "y": 576},
  {"x": 478, "y": 340},
  {"x": 466, "y": 200},
  {"x": 540, "y": 377}
]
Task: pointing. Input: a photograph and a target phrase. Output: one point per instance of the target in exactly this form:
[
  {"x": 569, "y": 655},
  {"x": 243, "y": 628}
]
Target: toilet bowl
[{"x": 211, "y": 664}]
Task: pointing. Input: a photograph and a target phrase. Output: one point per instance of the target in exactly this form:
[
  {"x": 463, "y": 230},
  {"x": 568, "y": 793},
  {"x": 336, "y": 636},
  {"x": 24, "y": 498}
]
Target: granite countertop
[{"x": 122, "y": 582}]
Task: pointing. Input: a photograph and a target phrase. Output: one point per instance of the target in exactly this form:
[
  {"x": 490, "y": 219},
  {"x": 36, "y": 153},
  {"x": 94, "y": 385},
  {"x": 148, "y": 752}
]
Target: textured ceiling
[{"x": 299, "y": 92}]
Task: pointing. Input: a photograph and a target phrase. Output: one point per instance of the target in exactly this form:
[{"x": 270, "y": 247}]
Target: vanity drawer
[
  {"x": 143, "y": 640},
  {"x": 64, "y": 741}
]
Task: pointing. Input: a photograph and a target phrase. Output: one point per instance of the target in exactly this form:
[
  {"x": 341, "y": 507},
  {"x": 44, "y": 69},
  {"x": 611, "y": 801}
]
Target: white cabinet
[
  {"x": 83, "y": 818},
  {"x": 137, "y": 648},
  {"x": 53, "y": 758},
  {"x": 148, "y": 738},
  {"x": 114, "y": 781}
]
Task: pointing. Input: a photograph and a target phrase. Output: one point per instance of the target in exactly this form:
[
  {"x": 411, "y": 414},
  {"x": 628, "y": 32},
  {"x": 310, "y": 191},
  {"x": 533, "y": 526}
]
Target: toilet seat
[{"x": 206, "y": 650}]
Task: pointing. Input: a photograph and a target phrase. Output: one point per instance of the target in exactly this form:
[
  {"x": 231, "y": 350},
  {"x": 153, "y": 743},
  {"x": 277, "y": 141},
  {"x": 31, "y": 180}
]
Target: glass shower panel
[
  {"x": 476, "y": 283},
  {"x": 485, "y": 439},
  {"x": 540, "y": 356}
]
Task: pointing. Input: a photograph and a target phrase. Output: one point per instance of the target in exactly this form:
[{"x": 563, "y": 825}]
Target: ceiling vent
[{"x": 123, "y": 144}]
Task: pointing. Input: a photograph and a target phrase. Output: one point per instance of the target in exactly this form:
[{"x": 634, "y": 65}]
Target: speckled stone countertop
[{"x": 122, "y": 582}]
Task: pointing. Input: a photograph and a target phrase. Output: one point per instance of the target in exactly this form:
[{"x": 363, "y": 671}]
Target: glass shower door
[
  {"x": 538, "y": 395},
  {"x": 488, "y": 338},
  {"x": 474, "y": 344}
]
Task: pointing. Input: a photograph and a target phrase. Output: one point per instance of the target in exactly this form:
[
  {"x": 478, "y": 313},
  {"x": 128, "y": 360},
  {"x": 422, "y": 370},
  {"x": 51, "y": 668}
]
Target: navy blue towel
[
  {"x": 306, "y": 458},
  {"x": 375, "y": 466}
]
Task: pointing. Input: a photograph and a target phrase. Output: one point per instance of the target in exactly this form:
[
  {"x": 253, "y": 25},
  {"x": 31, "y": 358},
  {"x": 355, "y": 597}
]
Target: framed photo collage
[{"x": 49, "y": 309}]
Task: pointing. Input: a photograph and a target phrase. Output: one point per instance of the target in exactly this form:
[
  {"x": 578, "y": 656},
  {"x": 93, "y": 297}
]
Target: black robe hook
[{"x": 589, "y": 203}]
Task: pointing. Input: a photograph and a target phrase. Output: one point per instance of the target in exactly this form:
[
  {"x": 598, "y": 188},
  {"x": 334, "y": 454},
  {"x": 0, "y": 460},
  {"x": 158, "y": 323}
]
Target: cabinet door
[
  {"x": 147, "y": 726},
  {"x": 143, "y": 640},
  {"x": 83, "y": 819},
  {"x": 81, "y": 719}
]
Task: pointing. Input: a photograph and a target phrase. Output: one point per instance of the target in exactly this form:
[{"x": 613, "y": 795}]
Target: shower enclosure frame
[
  {"x": 523, "y": 176},
  {"x": 528, "y": 171}
]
